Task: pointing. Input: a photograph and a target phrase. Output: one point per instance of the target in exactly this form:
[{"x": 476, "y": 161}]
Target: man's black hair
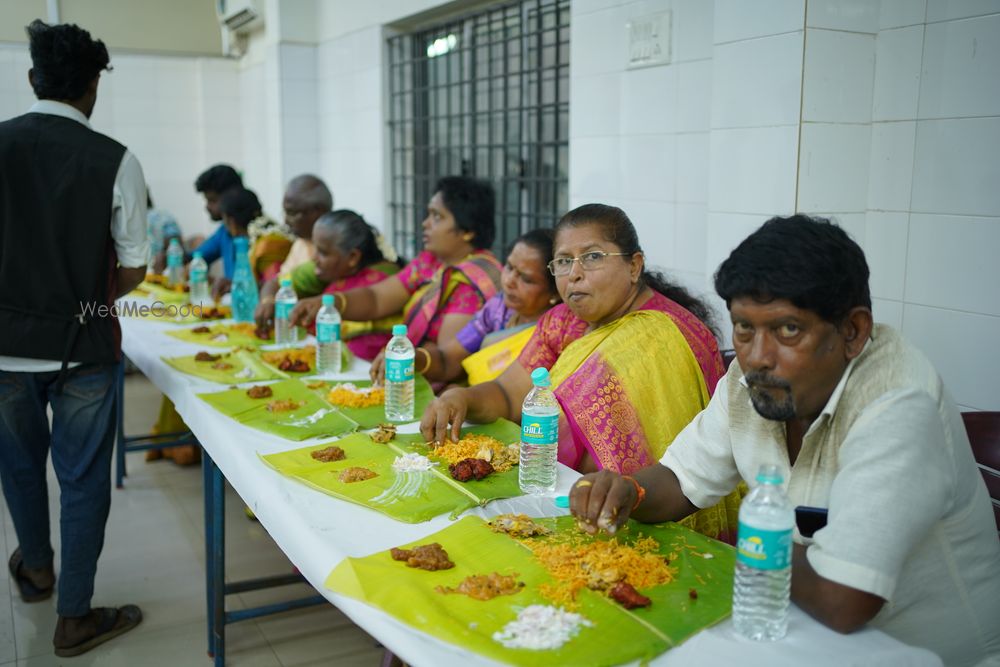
[
  {"x": 809, "y": 261},
  {"x": 64, "y": 60},
  {"x": 218, "y": 179}
]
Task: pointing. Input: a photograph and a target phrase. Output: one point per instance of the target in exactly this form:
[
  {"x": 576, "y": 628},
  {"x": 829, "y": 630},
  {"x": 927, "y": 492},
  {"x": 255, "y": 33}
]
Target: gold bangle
[
  {"x": 343, "y": 300},
  {"x": 427, "y": 367}
]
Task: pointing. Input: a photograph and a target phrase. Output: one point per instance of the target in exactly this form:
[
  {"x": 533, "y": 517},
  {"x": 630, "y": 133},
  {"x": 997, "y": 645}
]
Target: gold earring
[
  {"x": 553, "y": 301},
  {"x": 467, "y": 237}
]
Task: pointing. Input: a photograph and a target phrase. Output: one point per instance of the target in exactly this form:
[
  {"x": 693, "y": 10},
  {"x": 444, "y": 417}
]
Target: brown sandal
[
  {"x": 29, "y": 591},
  {"x": 111, "y": 623}
]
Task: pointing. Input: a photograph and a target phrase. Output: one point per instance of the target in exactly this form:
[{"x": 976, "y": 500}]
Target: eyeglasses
[{"x": 589, "y": 261}]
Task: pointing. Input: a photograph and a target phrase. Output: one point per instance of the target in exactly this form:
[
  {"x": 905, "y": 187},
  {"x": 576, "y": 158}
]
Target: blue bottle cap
[
  {"x": 196, "y": 254},
  {"x": 398, "y": 329},
  {"x": 562, "y": 501},
  {"x": 286, "y": 282},
  {"x": 327, "y": 299},
  {"x": 540, "y": 377}
]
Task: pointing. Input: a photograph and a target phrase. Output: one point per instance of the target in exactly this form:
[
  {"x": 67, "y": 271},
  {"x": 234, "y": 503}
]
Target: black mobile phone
[{"x": 809, "y": 519}]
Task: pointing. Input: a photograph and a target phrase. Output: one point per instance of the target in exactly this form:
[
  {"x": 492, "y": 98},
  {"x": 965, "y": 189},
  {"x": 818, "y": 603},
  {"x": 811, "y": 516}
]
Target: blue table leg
[
  {"x": 206, "y": 469},
  {"x": 216, "y": 588},
  {"x": 218, "y": 565}
]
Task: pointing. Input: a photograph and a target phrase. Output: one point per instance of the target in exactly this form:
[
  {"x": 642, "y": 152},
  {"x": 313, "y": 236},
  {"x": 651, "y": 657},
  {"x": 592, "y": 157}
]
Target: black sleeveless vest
[{"x": 57, "y": 257}]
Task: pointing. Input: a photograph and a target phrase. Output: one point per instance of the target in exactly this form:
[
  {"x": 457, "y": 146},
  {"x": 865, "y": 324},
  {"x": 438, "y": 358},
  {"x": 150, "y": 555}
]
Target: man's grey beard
[{"x": 764, "y": 403}]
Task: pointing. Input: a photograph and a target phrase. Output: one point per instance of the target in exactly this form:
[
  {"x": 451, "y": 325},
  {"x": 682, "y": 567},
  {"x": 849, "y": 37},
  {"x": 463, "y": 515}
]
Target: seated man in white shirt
[{"x": 862, "y": 425}]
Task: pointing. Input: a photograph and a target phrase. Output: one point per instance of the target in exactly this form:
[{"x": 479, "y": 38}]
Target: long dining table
[{"x": 317, "y": 531}]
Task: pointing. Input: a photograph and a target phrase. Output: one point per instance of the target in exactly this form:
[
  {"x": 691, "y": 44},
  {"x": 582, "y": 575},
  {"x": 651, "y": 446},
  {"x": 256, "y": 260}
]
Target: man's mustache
[{"x": 765, "y": 380}]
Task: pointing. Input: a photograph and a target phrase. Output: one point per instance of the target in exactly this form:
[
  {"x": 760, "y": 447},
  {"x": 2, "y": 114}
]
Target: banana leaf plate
[
  {"x": 160, "y": 292},
  {"x": 375, "y": 415},
  {"x": 221, "y": 334},
  {"x": 700, "y": 594},
  {"x": 313, "y": 417},
  {"x": 410, "y": 497},
  {"x": 244, "y": 367}
]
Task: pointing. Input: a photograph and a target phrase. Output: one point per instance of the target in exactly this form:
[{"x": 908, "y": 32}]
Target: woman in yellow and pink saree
[{"x": 631, "y": 356}]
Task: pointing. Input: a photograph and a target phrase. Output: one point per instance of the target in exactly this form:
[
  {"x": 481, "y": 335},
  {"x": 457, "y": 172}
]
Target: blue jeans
[{"x": 82, "y": 441}]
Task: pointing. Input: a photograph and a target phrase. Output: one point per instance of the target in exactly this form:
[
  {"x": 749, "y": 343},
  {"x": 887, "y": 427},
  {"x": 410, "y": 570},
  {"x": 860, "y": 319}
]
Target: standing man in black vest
[{"x": 72, "y": 240}]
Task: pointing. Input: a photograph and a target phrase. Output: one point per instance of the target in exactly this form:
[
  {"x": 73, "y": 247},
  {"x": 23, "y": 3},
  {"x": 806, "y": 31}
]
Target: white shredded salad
[
  {"x": 541, "y": 627},
  {"x": 220, "y": 338},
  {"x": 245, "y": 373},
  {"x": 412, "y": 463}
]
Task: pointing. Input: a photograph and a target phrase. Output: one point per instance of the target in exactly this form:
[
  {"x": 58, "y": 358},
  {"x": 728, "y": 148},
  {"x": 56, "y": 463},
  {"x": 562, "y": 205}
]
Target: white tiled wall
[
  {"x": 755, "y": 109},
  {"x": 933, "y": 219},
  {"x": 351, "y": 122}
]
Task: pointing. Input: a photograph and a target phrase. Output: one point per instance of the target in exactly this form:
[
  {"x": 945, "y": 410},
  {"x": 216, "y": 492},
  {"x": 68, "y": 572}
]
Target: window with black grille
[{"x": 484, "y": 95}]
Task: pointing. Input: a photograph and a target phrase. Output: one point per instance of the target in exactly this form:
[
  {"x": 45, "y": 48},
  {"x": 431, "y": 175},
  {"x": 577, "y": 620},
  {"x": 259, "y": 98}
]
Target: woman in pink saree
[{"x": 631, "y": 358}]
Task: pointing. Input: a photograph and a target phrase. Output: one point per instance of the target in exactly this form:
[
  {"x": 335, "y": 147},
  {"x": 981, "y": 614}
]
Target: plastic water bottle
[
  {"x": 198, "y": 281},
  {"x": 328, "y": 337},
  {"x": 284, "y": 302},
  {"x": 244, "y": 286},
  {"x": 536, "y": 472},
  {"x": 764, "y": 559},
  {"x": 399, "y": 355},
  {"x": 175, "y": 264}
]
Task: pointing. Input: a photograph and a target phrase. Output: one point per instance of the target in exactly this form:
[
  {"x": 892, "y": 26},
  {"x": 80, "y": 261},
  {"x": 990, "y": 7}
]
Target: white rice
[
  {"x": 412, "y": 463},
  {"x": 541, "y": 627}
]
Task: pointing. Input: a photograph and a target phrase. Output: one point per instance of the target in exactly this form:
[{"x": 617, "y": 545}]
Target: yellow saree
[{"x": 626, "y": 391}]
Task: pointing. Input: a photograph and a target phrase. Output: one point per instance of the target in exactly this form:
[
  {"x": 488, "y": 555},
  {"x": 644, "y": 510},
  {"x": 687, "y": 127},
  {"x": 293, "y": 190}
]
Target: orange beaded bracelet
[{"x": 639, "y": 491}]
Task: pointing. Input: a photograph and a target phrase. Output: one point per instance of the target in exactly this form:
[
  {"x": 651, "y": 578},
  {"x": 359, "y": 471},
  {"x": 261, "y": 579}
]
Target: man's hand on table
[{"x": 602, "y": 500}]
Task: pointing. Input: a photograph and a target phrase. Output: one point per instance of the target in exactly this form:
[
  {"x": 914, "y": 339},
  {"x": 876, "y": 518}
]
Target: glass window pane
[{"x": 490, "y": 98}]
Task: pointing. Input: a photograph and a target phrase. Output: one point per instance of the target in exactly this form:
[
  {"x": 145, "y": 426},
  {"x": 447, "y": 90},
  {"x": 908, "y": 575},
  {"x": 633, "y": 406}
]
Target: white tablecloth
[{"x": 317, "y": 531}]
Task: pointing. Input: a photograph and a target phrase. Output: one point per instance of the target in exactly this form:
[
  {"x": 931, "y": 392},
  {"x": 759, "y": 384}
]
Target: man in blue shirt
[{"x": 212, "y": 184}]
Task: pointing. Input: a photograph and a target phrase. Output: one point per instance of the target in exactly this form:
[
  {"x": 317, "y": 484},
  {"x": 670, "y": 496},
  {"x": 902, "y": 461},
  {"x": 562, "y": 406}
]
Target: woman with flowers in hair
[{"x": 269, "y": 241}]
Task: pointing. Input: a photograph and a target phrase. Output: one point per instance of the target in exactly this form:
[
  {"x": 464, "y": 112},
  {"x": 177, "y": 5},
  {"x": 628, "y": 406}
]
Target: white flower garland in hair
[
  {"x": 263, "y": 225},
  {"x": 386, "y": 248}
]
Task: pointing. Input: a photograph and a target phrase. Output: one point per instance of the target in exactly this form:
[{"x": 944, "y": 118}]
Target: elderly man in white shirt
[
  {"x": 862, "y": 425},
  {"x": 72, "y": 239}
]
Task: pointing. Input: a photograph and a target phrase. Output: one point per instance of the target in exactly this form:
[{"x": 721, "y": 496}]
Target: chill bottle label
[
  {"x": 540, "y": 429},
  {"x": 764, "y": 549},
  {"x": 327, "y": 332},
  {"x": 399, "y": 370},
  {"x": 198, "y": 276}
]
